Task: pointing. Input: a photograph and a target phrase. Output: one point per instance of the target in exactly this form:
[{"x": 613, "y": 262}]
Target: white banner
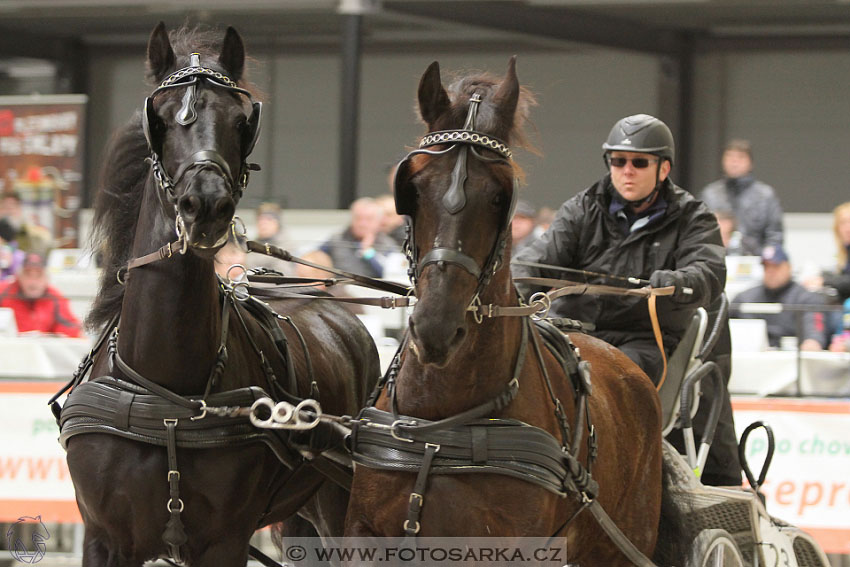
[
  {"x": 808, "y": 483},
  {"x": 34, "y": 478}
]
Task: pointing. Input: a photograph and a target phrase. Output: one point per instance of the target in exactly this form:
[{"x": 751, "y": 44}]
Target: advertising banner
[
  {"x": 41, "y": 160},
  {"x": 808, "y": 483},
  {"x": 34, "y": 478}
]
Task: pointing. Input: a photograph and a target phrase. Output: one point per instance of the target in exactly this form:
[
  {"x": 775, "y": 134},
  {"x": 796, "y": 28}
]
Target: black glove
[{"x": 667, "y": 278}]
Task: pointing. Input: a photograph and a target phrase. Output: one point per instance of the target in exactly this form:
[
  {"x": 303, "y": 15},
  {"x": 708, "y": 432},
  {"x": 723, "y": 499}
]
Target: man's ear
[{"x": 665, "y": 170}]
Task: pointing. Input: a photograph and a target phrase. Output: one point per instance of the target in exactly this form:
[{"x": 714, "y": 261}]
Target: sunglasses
[{"x": 637, "y": 163}]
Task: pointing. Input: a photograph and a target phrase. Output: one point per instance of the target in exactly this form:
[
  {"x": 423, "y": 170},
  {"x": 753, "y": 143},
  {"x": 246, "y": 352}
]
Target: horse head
[
  {"x": 459, "y": 190},
  {"x": 200, "y": 130}
]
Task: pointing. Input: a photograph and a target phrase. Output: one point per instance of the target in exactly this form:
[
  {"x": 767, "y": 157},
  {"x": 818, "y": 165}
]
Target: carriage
[{"x": 181, "y": 408}]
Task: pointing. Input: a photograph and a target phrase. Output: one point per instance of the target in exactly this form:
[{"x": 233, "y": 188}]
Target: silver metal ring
[
  {"x": 262, "y": 403},
  {"x": 545, "y": 303}
]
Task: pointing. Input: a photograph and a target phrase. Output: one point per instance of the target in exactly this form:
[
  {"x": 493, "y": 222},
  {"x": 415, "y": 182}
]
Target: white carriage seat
[{"x": 679, "y": 365}]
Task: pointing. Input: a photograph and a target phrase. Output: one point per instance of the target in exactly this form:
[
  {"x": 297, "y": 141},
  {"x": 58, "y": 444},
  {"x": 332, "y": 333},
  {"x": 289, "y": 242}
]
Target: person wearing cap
[
  {"x": 636, "y": 223},
  {"x": 522, "y": 226},
  {"x": 779, "y": 287},
  {"x": 38, "y": 306},
  {"x": 755, "y": 205}
]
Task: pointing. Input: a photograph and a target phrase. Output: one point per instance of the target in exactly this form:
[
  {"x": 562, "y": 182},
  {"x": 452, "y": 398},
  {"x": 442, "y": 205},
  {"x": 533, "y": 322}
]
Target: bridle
[
  {"x": 190, "y": 77},
  {"x": 465, "y": 140}
]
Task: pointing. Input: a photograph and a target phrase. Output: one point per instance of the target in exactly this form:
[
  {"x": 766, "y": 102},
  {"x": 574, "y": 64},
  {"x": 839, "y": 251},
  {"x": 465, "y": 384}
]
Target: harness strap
[
  {"x": 174, "y": 535},
  {"x": 149, "y": 384},
  {"x": 383, "y": 302},
  {"x": 490, "y": 406},
  {"x": 656, "y": 330},
  {"x": 165, "y": 252},
  {"x": 281, "y": 254},
  {"x": 417, "y": 497},
  {"x": 618, "y": 537}
]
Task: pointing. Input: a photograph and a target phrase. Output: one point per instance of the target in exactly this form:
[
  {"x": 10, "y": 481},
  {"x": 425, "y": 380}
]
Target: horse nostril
[
  {"x": 411, "y": 327},
  {"x": 225, "y": 208},
  {"x": 459, "y": 335},
  {"x": 190, "y": 206}
]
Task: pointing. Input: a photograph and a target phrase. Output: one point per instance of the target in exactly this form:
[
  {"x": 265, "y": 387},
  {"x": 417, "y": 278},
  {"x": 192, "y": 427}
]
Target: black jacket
[
  {"x": 784, "y": 324},
  {"x": 586, "y": 236}
]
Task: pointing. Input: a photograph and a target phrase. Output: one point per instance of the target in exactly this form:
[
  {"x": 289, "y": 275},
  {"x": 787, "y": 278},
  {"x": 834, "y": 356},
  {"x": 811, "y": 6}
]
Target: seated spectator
[
  {"x": 29, "y": 236},
  {"x": 779, "y": 287},
  {"x": 522, "y": 227},
  {"x": 736, "y": 243},
  {"x": 545, "y": 216},
  {"x": 754, "y": 203},
  {"x": 37, "y": 305},
  {"x": 11, "y": 257},
  {"x": 840, "y": 279},
  {"x": 392, "y": 223},
  {"x": 270, "y": 231},
  {"x": 361, "y": 248}
]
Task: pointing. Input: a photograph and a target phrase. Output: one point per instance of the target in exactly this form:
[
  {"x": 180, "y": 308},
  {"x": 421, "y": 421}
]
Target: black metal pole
[{"x": 350, "y": 109}]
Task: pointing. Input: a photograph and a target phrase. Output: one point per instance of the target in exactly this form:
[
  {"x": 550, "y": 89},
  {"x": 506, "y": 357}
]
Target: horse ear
[
  {"x": 433, "y": 99},
  {"x": 232, "y": 55},
  {"x": 507, "y": 96},
  {"x": 160, "y": 55}
]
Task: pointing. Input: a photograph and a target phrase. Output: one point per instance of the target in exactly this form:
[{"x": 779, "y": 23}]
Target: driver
[{"x": 636, "y": 222}]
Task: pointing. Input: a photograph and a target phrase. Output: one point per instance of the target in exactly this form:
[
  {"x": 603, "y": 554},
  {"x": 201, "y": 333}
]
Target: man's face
[
  {"x": 267, "y": 226},
  {"x": 10, "y": 207},
  {"x": 634, "y": 183},
  {"x": 736, "y": 163},
  {"x": 521, "y": 226},
  {"x": 365, "y": 220},
  {"x": 33, "y": 281},
  {"x": 776, "y": 275},
  {"x": 843, "y": 227}
]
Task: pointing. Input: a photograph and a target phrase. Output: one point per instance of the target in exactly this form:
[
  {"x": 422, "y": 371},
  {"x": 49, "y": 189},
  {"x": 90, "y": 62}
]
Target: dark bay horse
[
  {"x": 182, "y": 162},
  {"x": 458, "y": 191}
]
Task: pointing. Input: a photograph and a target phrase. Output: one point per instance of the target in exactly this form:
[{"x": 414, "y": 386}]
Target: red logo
[{"x": 7, "y": 122}]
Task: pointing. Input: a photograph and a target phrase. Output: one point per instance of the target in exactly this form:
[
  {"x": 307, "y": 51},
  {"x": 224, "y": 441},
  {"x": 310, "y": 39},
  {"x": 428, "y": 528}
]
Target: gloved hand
[{"x": 667, "y": 278}]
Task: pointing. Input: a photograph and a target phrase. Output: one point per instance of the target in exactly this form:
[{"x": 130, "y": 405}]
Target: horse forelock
[
  {"x": 205, "y": 40},
  {"x": 488, "y": 119}
]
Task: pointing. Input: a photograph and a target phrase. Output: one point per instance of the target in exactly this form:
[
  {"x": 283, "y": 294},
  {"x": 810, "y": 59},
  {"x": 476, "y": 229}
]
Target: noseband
[
  {"x": 465, "y": 140},
  {"x": 192, "y": 77}
]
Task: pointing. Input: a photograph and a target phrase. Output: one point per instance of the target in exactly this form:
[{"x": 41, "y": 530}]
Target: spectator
[
  {"x": 736, "y": 243},
  {"x": 361, "y": 248},
  {"x": 269, "y": 231},
  {"x": 545, "y": 216},
  {"x": 522, "y": 227},
  {"x": 754, "y": 203},
  {"x": 11, "y": 257},
  {"x": 37, "y": 305},
  {"x": 840, "y": 279},
  {"x": 779, "y": 287},
  {"x": 392, "y": 223},
  {"x": 30, "y": 237}
]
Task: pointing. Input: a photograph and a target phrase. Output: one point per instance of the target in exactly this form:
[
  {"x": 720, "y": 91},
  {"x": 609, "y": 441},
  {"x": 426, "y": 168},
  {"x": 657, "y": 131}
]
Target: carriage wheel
[{"x": 714, "y": 548}]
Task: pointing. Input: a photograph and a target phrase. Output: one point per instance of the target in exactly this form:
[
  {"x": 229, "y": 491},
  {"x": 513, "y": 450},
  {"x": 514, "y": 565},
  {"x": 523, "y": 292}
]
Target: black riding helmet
[{"x": 645, "y": 134}]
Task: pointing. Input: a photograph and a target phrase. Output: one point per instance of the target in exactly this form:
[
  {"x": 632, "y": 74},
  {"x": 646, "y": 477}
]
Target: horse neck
[
  {"x": 170, "y": 316},
  {"x": 478, "y": 372}
]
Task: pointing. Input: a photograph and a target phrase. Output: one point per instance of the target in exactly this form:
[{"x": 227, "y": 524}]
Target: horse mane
[{"x": 123, "y": 179}]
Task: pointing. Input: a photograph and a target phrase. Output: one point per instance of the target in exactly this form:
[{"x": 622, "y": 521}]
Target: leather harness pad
[
  {"x": 501, "y": 446},
  {"x": 109, "y": 405}
]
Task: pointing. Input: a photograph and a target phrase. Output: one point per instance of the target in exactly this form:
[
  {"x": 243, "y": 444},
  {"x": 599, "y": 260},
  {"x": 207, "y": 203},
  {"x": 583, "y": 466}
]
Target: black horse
[{"x": 186, "y": 338}]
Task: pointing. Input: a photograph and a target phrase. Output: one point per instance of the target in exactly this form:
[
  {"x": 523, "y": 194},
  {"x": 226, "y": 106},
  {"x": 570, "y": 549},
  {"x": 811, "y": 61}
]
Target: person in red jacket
[{"x": 37, "y": 305}]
